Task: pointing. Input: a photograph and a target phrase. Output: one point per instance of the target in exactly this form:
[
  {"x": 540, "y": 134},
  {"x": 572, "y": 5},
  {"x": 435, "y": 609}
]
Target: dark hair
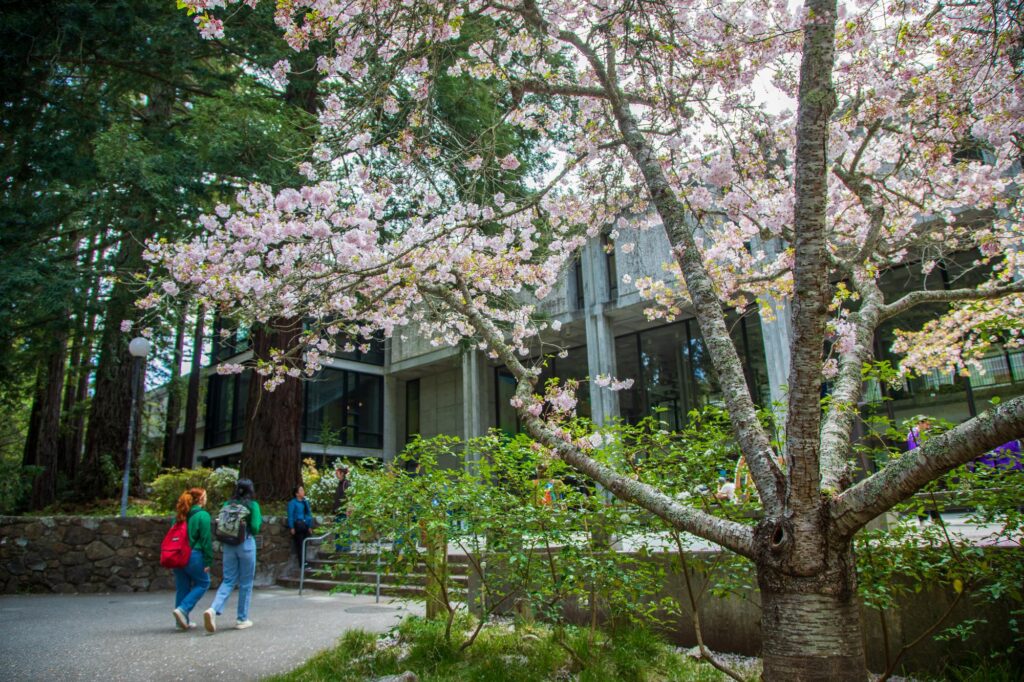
[
  {"x": 244, "y": 489},
  {"x": 295, "y": 490}
]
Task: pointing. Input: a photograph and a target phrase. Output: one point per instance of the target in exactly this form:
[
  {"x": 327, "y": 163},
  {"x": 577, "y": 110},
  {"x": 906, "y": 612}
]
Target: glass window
[
  {"x": 369, "y": 352},
  {"x": 574, "y": 366},
  {"x": 955, "y": 396},
  {"x": 668, "y": 388},
  {"x": 577, "y": 274},
  {"x": 227, "y": 397},
  {"x": 704, "y": 378},
  {"x": 749, "y": 340},
  {"x": 412, "y": 409},
  {"x": 612, "y": 270},
  {"x": 344, "y": 408},
  {"x": 627, "y": 366},
  {"x": 229, "y": 339},
  {"x": 505, "y": 383},
  {"x": 673, "y": 374}
]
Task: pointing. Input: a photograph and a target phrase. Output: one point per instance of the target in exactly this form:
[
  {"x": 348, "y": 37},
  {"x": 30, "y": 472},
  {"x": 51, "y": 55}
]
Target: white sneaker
[
  {"x": 243, "y": 624},
  {"x": 180, "y": 619},
  {"x": 210, "y": 620}
]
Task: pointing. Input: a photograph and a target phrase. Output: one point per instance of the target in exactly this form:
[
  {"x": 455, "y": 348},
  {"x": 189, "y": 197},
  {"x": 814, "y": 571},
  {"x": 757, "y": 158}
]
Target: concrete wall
[
  {"x": 441, "y": 403},
  {"x": 410, "y": 347},
  {"x": 732, "y": 623},
  {"x": 109, "y": 554}
]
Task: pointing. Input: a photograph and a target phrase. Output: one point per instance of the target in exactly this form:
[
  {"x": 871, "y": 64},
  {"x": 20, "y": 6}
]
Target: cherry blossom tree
[{"x": 904, "y": 146}]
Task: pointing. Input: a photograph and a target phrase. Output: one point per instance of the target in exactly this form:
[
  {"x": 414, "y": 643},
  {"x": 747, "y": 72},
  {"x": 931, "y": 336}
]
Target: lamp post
[{"x": 139, "y": 348}]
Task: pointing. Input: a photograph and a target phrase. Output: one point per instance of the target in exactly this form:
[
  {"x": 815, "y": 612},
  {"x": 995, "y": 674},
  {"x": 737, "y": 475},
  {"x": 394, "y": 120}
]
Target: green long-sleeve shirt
[
  {"x": 255, "y": 517},
  {"x": 199, "y": 534}
]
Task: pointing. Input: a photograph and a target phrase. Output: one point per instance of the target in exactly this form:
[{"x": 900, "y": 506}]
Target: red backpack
[{"x": 175, "y": 550}]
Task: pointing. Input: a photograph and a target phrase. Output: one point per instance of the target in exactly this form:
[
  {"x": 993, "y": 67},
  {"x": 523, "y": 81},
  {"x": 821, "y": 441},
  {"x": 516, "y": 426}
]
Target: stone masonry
[{"x": 109, "y": 554}]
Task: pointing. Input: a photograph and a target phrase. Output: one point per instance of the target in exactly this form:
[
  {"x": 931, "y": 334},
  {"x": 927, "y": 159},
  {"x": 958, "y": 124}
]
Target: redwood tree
[
  {"x": 272, "y": 446},
  {"x": 654, "y": 118}
]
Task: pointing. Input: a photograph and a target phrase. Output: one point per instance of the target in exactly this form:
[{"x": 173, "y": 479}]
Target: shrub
[
  {"x": 168, "y": 486},
  {"x": 15, "y": 484}
]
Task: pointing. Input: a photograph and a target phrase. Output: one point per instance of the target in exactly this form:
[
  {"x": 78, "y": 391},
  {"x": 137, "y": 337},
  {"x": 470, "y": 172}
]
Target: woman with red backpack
[{"x": 192, "y": 581}]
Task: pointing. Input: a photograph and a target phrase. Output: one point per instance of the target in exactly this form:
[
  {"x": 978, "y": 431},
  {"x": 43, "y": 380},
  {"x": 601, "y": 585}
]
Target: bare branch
[
  {"x": 753, "y": 440},
  {"x": 729, "y": 534},
  {"x": 838, "y": 426},
  {"x": 917, "y": 298},
  {"x": 568, "y": 90}
]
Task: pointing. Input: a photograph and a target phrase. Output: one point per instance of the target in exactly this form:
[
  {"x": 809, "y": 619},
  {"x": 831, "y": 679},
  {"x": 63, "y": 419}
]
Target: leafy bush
[
  {"x": 320, "y": 486},
  {"x": 15, "y": 484},
  {"x": 168, "y": 486},
  {"x": 504, "y": 653}
]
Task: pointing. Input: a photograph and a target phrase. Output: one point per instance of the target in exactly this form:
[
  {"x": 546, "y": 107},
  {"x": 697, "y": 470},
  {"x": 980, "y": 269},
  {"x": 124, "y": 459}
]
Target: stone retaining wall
[{"x": 109, "y": 554}]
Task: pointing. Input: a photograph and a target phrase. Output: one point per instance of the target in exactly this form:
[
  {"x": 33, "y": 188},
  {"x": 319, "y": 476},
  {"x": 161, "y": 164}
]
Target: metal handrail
[{"x": 302, "y": 563}]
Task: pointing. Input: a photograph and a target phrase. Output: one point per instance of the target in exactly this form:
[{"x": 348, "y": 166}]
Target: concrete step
[
  {"x": 348, "y": 576},
  {"x": 356, "y": 563},
  {"x": 388, "y": 590}
]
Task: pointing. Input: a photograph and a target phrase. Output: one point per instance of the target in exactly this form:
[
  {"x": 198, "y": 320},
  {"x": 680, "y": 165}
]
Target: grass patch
[
  {"x": 502, "y": 653},
  {"x": 982, "y": 670}
]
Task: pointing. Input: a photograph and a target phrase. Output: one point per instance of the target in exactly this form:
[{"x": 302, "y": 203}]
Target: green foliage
[
  {"x": 504, "y": 653},
  {"x": 15, "y": 484},
  {"x": 166, "y": 488},
  {"x": 917, "y": 551}
]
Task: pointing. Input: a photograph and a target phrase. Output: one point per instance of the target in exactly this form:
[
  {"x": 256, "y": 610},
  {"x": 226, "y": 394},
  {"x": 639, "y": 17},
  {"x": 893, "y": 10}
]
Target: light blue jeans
[
  {"x": 239, "y": 568},
  {"x": 190, "y": 583}
]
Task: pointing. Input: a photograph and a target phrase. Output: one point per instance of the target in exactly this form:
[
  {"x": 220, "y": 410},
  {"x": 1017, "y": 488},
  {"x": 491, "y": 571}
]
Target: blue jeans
[
  {"x": 240, "y": 569},
  {"x": 190, "y": 583}
]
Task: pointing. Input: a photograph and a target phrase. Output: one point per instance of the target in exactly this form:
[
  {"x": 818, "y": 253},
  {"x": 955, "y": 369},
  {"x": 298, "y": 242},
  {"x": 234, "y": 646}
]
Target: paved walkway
[{"x": 132, "y": 636}]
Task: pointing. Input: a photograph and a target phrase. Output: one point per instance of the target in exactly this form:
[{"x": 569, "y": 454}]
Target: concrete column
[
  {"x": 394, "y": 417},
  {"x": 474, "y": 394},
  {"x": 604, "y": 404},
  {"x": 777, "y": 335}
]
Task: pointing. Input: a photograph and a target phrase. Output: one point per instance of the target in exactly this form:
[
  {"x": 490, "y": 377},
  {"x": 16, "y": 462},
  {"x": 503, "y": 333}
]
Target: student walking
[
  {"x": 238, "y": 521},
  {"x": 192, "y": 581}
]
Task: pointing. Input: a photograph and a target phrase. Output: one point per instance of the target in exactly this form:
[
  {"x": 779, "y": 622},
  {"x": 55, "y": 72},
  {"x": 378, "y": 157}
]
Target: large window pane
[
  {"x": 508, "y": 420},
  {"x": 344, "y": 408},
  {"x": 412, "y": 409},
  {"x": 704, "y": 379},
  {"x": 225, "y": 409},
  {"x": 668, "y": 389},
  {"x": 574, "y": 366},
  {"x": 627, "y": 363}
]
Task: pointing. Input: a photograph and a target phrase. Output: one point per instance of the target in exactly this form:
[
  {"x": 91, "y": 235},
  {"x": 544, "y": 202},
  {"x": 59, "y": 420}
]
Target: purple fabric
[
  {"x": 1006, "y": 456},
  {"x": 913, "y": 438}
]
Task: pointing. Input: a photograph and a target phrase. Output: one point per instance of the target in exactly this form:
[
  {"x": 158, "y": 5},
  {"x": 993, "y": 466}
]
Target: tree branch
[
  {"x": 838, "y": 426},
  {"x": 569, "y": 90},
  {"x": 817, "y": 101},
  {"x": 753, "y": 440},
  {"x": 901, "y": 478},
  {"x": 917, "y": 298},
  {"x": 729, "y": 534}
]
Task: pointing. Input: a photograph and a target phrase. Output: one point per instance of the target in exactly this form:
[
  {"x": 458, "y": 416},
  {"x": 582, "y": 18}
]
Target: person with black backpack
[
  {"x": 193, "y": 579},
  {"x": 237, "y": 522}
]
